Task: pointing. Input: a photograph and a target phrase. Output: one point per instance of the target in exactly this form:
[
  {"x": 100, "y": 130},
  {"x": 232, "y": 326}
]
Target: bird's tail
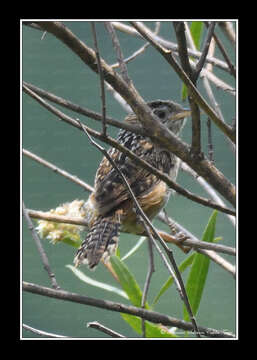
[{"x": 100, "y": 243}]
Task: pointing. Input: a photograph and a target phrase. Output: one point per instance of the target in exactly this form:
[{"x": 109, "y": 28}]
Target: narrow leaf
[
  {"x": 196, "y": 32},
  {"x": 183, "y": 266},
  {"x": 151, "y": 330},
  {"x": 134, "y": 248},
  {"x": 199, "y": 270},
  {"x": 96, "y": 283},
  {"x": 127, "y": 281}
]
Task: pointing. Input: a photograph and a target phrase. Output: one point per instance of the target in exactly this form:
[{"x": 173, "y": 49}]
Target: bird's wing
[{"x": 110, "y": 190}]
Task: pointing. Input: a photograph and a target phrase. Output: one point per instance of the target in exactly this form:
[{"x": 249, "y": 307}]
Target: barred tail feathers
[{"x": 100, "y": 243}]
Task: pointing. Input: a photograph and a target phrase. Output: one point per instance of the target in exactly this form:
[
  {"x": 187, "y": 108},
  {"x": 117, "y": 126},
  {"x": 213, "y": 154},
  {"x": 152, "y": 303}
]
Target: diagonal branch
[
  {"x": 100, "y": 72},
  {"x": 195, "y": 112},
  {"x": 40, "y": 248},
  {"x": 58, "y": 170}
]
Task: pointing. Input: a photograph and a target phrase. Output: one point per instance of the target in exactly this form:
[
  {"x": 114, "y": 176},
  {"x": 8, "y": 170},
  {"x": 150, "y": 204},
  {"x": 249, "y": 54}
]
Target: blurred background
[{"x": 49, "y": 64}]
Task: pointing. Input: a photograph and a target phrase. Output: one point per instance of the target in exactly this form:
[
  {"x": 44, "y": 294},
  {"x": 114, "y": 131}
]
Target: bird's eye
[{"x": 160, "y": 113}]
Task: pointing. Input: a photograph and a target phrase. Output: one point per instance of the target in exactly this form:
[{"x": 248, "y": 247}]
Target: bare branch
[
  {"x": 100, "y": 72},
  {"x": 120, "y": 57},
  {"x": 211, "y": 254},
  {"x": 152, "y": 316},
  {"x": 40, "y": 249},
  {"x": 43, "y": 333},
  {"x": 228, "y": 29},
  {"x": 205, "y": 51},
  {"x": 58, "y": 170},
  {"x": 96, "y": 325},
  {"x": 224, "y": 53}
]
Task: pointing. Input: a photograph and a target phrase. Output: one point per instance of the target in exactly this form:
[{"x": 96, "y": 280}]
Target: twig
[
  {"x": 40, "y": 248},
  {"x": 179, "y": 28},
  {"x": 119, "y": 54},
  {"x": 202, "y": 60},
  {"x": 152, "y": 316},
  {"x": 195, "y": 112},
  {"x": 207, "y": 188},
  {"x": 96, "y": 325},
  {"x": 150, "y": 272},
  {"x": 58, "y": 170},
  {"x": 228, "y": 30},
  {"x": 100, "y": 72},
  {"x": 37, "y": 214},
  {"x": 209, "y": 137},
  {"x": 190, "y": 237},
  {"x": 176, "y": 274},
  {"x": 224, "y": 53},
  {"x": 43, "y": 333}
]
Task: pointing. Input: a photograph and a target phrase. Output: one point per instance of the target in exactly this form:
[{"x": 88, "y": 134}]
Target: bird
[{"x": 110, "y": 206}]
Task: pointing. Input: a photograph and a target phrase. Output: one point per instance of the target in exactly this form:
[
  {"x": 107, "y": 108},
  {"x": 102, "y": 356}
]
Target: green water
[{"x": 50, "y": 65}]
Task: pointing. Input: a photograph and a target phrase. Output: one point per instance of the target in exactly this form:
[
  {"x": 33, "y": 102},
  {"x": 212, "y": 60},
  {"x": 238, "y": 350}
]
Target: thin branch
[
  {"x": 211, "y": 254},
  {"x": 58, "y": 170},
  {"x": 37, "y": 214},
  {"x": 152, "y": 316},
  {"x": 228, "y": 29},
  {"x": 202, "y": 60},
  {"x": 179, "y": 27},
  {"x": 150, "y": 271},
  {"x": 223, "y": 52},
  {"x": 119, "y": 54},
  {"x": 43, "y": 333},
  {"x": 40, "y": 248},
  {"x": 82, "y": 110},
  {"x": 209, "y": 138},
  {"x": 207, "y": 188},
  {"x": 96, "y": 325},
  {"x": 100, "y": 72}
]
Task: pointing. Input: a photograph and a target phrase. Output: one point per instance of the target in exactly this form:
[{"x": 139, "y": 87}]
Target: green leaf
[
  {"x": 199, "y": 270},
  {"x": 183, "y": 266},
  {"x": 184, "y": 92},
  {"x": 134, "y": 293},
  {"x": 134, "y": 248},
  {"x": 127, "y": 281},
  {"x": 196, "y": 29},
  {"x": 151, "y": 330},
  {"x": 96, "y": 283}
]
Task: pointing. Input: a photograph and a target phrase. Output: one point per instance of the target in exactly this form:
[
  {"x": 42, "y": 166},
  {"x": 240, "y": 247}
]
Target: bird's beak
[{"x": 181, "y": 115}]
